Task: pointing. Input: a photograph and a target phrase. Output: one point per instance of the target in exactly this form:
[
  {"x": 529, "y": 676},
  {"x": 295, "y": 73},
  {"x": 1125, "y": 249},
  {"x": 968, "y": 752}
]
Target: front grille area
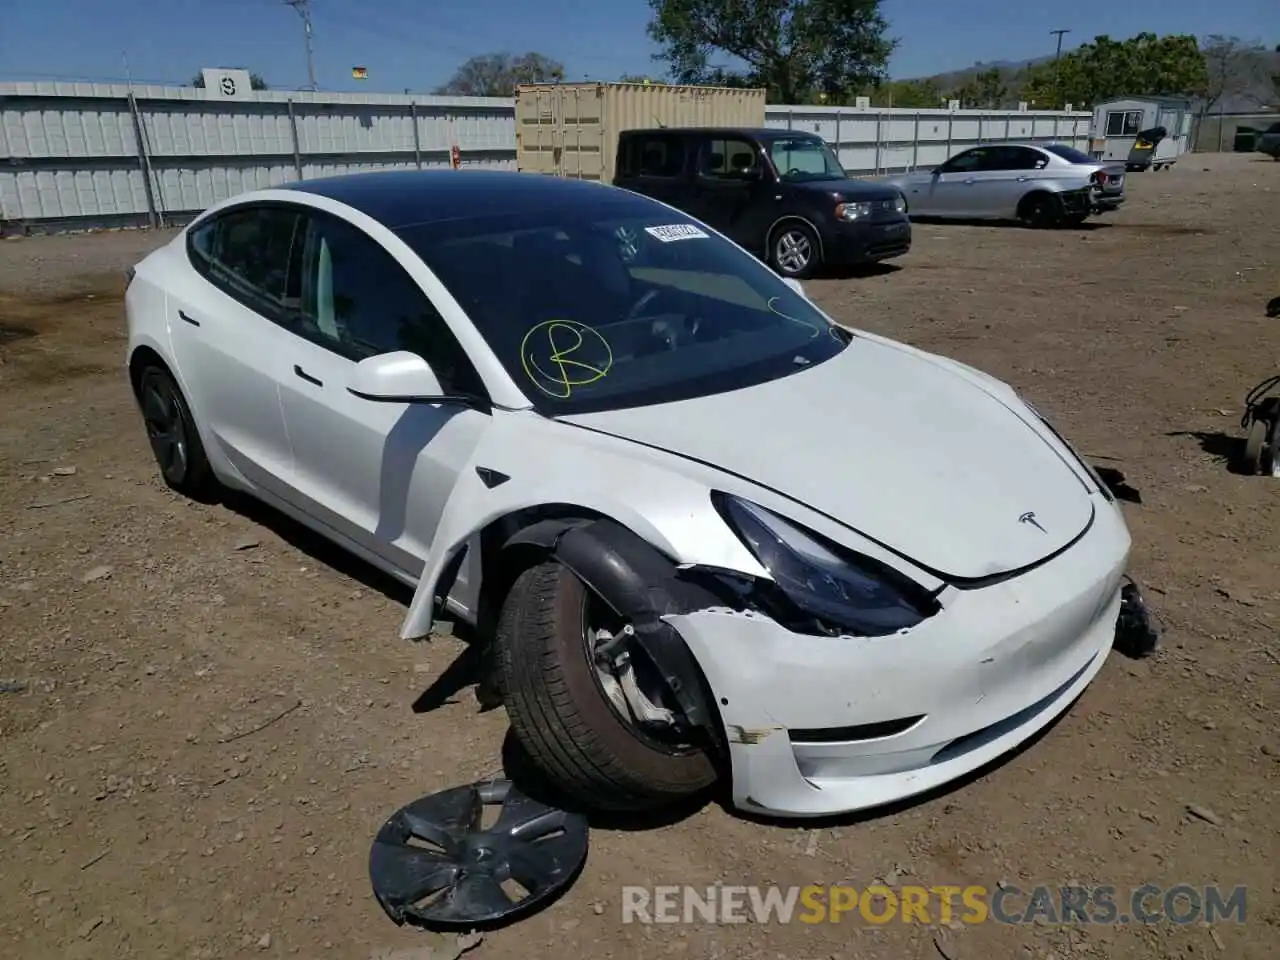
[
  {"x": 888, "y": 248},
  {"x": 856, "y": 734}
]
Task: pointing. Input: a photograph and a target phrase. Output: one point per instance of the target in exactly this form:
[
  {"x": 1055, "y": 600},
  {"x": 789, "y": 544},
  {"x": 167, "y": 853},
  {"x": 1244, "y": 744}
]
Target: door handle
[
  {"x": 191, "y": 320},
  {"x": 306, "y": 376},
  {"x": 1023, "y": 179},
  {"x": 970, "y": 182}
]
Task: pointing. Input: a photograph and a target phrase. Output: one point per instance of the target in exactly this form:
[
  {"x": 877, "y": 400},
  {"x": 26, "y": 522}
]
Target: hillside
[
  {"x": 1260, "y": 92},
  {"x": 955, "y": 78}
]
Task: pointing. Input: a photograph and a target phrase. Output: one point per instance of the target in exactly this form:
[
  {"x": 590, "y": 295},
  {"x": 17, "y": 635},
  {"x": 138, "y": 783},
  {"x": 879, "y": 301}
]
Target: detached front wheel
[{"x": 600, "y": 734}]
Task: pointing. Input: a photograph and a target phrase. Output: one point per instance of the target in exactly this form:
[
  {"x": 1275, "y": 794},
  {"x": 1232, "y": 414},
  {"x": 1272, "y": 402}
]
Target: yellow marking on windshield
[
  {"x": 557, "y": 341},
  {"x": 808, "y": 326}
]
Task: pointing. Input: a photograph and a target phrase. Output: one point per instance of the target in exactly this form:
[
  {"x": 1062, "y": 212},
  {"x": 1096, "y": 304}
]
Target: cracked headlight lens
[{"x": 852, "y": 593}]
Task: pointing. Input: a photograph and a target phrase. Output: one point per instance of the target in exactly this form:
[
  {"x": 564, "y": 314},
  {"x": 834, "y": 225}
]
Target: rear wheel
[
  {"x": 578, "y": 719},
  {"x": 1038, "y": 211},
  {"x": 794, "y": 251},
  {"x": 171, "y": 431}
]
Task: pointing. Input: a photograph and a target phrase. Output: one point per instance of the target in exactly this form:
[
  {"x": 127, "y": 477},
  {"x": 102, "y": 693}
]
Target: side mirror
[
  {"x": 796, "y": 285},
  {"x": 399, "y": 377}
]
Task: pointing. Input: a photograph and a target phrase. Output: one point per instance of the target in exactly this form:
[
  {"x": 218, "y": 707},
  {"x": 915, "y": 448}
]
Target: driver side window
[
  {"x": 357, "y": 301},
  {"x": 968, "y": 162}
]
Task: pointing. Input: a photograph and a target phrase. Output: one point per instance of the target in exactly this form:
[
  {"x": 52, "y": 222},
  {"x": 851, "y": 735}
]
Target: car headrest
[{"x": 742, "y": 161}]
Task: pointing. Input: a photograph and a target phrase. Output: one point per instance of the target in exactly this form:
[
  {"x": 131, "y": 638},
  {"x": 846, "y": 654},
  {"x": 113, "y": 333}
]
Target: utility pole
[
  {"x": 1057, "y": 76},
  {"x": 303, "y": 7}
]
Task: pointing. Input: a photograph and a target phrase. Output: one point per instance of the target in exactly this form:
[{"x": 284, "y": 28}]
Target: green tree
[
  {"x": 256, "y": 81},
  {"x": 795, "y": 49},
  {"x": 918, "y": 94},
  {"x": 496, "y": 75},
  {"x": 1144, "y": 65},
  {"x": 986, "y": 90}
]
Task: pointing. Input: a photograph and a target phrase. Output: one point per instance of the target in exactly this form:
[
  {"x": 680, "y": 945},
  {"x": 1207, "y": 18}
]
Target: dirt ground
[{"x": 144, "y": 639}]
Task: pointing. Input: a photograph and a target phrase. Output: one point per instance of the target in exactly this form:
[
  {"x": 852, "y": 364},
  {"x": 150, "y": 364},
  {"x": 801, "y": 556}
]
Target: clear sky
[{"x": 417, "y": 44}]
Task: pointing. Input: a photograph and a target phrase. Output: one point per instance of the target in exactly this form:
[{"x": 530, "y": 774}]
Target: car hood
[
  {"x": 847, "y": 190},
  {"x": 892, "y": 444}
]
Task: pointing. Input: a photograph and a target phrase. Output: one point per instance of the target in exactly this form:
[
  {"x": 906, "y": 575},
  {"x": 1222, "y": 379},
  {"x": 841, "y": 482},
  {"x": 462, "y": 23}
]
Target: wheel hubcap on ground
[
  {"x": 433, "y": 863},
  {"x": 793, "y": 251},
  {"x": 165, "y": 429}
]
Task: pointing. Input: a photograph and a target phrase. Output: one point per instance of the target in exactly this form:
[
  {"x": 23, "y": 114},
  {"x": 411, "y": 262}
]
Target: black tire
[
  {"x": 563, "y": 719},
  {"x": 804, "y": 238},
  {"x": 171, "y": 431},
  {"x": 1251, "y": 459},
  {"x": 1039, "y": 211}
]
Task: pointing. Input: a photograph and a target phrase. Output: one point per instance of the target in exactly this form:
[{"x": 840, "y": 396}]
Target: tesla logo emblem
[{"x": 1030, "y": 518}]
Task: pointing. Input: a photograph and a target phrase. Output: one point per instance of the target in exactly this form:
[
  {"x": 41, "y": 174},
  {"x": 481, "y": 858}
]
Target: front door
[
  {"x": 379, "y": 474},
  {"x": 951, "y": 193}
]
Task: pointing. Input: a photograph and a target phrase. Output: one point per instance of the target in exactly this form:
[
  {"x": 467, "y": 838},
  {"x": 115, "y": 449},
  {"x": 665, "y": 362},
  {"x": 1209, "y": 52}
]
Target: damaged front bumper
[{"x": 826, "y": 725}]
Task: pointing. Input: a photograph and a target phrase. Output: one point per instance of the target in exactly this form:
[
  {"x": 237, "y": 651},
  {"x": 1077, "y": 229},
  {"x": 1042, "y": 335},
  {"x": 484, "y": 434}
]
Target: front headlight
[
  {"x": 853, "y": 211},
  {"x": 900, "y": 205},
  {"x": 844, "y": 593}
]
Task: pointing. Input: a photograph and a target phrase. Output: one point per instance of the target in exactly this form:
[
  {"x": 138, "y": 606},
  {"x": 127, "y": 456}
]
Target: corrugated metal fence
[{"x": 88, "y": 154}]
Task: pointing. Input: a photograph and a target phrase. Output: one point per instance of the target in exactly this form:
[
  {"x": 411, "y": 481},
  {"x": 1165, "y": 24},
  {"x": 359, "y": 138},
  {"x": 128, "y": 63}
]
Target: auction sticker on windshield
[{"x": 676, "y": 231}]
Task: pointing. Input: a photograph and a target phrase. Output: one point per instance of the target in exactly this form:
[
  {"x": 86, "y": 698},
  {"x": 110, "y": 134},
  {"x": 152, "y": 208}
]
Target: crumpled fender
[{"x": 657, "y": 497}]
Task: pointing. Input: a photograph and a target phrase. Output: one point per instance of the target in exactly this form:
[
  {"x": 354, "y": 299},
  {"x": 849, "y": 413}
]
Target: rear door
[
  {"x": 1007, "y": 175},
  {"x": 729, "y": 189},
  {"x": 657, "y": 164},
  {"x": 229, "y": 348}
]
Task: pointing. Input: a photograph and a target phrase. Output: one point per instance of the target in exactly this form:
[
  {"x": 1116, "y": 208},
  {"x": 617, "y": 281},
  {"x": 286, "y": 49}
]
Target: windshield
[
  {"x": 805, "y": 158},
  {"x": 1070, "y": 154},
  {"x": 621, "y": 303}
]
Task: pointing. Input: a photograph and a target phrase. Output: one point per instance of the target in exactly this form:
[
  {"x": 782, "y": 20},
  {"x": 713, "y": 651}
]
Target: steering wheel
[
  {"x": 646, "y": 298},
  {"x": 671, "y": 334}
]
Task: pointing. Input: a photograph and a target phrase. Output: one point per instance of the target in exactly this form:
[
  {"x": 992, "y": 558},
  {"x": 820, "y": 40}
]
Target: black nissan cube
[{"x": 781, "y": 194}]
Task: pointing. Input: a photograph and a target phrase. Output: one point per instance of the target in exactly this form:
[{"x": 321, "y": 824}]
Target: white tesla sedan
[{"x": 705, "y": 531}]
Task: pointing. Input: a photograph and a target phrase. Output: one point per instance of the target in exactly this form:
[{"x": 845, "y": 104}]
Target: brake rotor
[{"x": 434, "y": 864}]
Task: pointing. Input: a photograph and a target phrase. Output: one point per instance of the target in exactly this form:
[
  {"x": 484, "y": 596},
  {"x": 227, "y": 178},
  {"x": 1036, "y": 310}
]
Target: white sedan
[{"x": 703, "y": 530}]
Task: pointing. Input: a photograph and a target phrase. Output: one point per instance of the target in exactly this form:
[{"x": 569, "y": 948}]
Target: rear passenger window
[
  {"x": 727, "y": 160},
  {"x": 653, "y": 155},
  {"x": 245, "y": 253}
]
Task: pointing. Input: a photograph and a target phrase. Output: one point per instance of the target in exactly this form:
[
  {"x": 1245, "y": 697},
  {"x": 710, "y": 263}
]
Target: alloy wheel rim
[
  {"x": 165, "y": 429},
  {"x": 793, "y": 251}
]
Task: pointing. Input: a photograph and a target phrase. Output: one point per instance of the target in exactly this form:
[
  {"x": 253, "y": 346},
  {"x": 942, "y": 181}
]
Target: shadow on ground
[
  {"x": 315, "y": 546},
  {"x": 1221, "y": 446}
]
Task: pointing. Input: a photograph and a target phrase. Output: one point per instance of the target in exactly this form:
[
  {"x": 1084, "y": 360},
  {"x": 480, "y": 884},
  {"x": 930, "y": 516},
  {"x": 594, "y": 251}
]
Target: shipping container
[{"x": 571, "y": 129}]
